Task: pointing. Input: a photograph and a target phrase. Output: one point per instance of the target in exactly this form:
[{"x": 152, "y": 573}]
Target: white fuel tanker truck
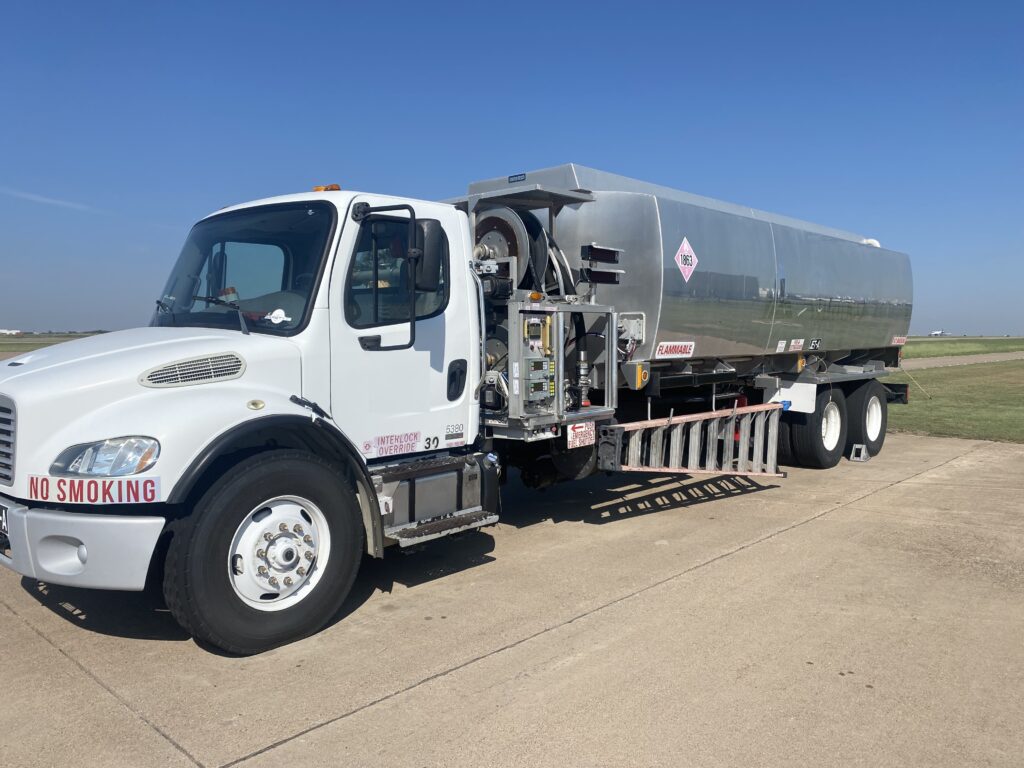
[{"x": 332, "y": 373}]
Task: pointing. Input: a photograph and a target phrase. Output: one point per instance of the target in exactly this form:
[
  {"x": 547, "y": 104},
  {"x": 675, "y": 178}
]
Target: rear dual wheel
[
  {"x": 869, "y": 417},
  {"x": 840, "y": 421},
  {"x": 818, "y": 439}
]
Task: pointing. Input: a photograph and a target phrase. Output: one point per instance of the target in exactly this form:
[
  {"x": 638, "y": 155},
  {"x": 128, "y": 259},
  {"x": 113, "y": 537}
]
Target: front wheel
[
  {"x": 267, "y": 556},
  {"x": 819, "y": 438}
]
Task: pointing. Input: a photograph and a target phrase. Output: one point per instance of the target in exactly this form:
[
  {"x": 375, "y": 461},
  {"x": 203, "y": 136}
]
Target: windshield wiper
[{"x": 230, "y": 305}]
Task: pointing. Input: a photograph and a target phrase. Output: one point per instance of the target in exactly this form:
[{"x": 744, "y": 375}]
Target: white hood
[
  {"x": 95, "y": 359},
  {"x": 89, "y": 390}
]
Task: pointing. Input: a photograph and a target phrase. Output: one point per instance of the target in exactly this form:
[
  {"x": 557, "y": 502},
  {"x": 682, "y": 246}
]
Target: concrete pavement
[{"x": 868, "y": 615}]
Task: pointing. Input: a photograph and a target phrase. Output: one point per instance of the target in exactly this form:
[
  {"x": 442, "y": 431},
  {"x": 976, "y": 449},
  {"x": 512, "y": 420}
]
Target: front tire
[
  {"x": 869, "y": 416},
  {"x": 267, "y": 556},
  {"x": 819, "y": 438}
]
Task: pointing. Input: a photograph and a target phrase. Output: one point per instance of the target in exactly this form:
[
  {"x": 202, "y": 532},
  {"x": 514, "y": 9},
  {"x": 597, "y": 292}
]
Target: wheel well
[{"x": 279, "y": 433}]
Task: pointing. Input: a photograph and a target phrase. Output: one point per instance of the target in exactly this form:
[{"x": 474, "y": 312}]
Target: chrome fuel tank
[{"x": 734, "y": 281}]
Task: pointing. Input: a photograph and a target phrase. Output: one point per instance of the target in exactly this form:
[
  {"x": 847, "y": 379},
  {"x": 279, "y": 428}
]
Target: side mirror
[
  {"x": 427, "y": 246},
  {"x": 431, "y": 242}
]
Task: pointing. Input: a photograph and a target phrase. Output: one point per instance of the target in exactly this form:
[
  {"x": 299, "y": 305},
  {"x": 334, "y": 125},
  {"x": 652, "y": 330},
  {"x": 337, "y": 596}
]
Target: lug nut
[
  {"x": 301, "y": 571},
  {"x": 282, "y": 527},
  {"x": 261, "y": 553},
  {"x": 262, "y": 570},
  {"x": 309, "y": 556},
  {"x": 287, "y": 581},
  {"x": 297, "y": 528},
  {"x": 268, "y": 536},
  {"x": 308, "y": 539},
  {"x": 273, "y": 581}
]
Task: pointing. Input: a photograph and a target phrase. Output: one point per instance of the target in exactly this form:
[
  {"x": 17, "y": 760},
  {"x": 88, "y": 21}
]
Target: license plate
[{"x": 3, "y": 520}]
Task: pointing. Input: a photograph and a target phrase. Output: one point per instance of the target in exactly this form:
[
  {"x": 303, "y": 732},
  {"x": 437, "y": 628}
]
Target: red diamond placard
[{"x": 686, "y": 259}]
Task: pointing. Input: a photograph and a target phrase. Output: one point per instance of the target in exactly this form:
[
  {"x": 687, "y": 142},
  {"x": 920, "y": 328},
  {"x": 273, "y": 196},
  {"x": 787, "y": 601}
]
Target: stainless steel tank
[{"x": 734, "y": 281}]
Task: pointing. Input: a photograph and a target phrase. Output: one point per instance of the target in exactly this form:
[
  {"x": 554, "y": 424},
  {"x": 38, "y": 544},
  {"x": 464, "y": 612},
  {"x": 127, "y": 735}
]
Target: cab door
[{"x": 394, "y": 401}]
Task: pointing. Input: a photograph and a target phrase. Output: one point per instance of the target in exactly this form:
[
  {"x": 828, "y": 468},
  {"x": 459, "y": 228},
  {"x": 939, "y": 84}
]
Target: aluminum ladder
[{"x": 742, "y": 441}]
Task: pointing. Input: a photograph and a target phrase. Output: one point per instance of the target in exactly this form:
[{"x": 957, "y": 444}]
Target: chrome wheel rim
[{"x": 278, "y": 553}]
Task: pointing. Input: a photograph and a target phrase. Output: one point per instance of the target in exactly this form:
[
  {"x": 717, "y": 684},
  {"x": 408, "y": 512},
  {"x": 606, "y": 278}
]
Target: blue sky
[{"x": 122, "y": 123}]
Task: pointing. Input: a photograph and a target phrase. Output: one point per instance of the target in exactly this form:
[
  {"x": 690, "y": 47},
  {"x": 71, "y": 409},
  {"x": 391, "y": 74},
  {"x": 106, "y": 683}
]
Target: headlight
[{"x": 116, "y": 457}]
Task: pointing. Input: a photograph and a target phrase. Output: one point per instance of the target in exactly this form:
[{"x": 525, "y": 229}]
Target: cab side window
[{"x": 377, "y": 288}]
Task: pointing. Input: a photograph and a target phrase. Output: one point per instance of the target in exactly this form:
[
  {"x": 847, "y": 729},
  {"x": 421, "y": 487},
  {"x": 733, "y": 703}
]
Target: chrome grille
[
  {"x": 197, "y": 370},
  {"x": 8, "y": 423}
]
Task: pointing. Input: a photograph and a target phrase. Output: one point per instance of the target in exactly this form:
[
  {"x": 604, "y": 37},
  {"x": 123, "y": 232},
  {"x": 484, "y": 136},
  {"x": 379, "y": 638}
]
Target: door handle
[
  {"x": 456, "y": 379},
  {"x": 369, "y": 343}
]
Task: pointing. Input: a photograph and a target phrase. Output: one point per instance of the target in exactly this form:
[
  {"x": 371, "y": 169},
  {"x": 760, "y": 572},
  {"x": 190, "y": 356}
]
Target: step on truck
[{"x": 333, "y": 373}]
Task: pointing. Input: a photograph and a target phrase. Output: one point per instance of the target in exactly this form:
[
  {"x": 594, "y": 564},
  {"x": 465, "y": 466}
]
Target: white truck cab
[
  {"x": 281, "y": 334},
  {"x": 329, "y": 374}
]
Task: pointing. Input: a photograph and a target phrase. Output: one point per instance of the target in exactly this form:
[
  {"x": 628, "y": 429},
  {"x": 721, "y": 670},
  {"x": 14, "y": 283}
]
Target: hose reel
[{"x": 508, "y": 235}]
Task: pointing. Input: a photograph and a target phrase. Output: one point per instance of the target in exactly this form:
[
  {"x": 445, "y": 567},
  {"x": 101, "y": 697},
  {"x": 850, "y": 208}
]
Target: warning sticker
[
  {"x": 674, "y": 349},
  {"x": 781, "y": 346},
  {"x": 686, "y": 259},
  {"x": 796, "y": 345},
  {"x": 580, "y": 435},
  {"x": 392, "y": 445},
  {"x": 899, "y": 341},
  {"x": 71, "y": 490}
]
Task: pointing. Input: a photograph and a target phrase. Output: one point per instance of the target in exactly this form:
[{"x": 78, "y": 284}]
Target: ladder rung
[
  {"x": 758, "y": 442},
  {"x": 711, "y": 449},
  {"x": 729, "y": 436},
  {"x": 744, "y": 447},
  {"x": 677, "y": 437},
  {"x": 635, "y": 443},
  {"x": 657, "y": 455},
  {"x": 772, "y": 464},
  {"x": 693, "y": 462}
]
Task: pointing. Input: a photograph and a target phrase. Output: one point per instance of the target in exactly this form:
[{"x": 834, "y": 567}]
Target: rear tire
[
  {"x": 819, "y": 438},
  {"x": 285, "y": 516},
  {"x": 868, "y": 408},
  {"x": 786, "y": 457}
]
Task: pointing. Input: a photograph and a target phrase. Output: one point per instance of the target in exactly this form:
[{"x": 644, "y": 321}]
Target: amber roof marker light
[{"x": 327, "y": 188}]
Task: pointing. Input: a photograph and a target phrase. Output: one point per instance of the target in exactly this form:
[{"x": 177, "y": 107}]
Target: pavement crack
[
  {"x": 580, "y": 616},
  {"x": 120, "y": 699}
]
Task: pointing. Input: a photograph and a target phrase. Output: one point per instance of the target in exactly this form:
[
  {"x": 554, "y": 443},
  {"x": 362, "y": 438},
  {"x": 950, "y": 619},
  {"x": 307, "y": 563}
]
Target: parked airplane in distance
[
  {"x": 5, "y": 332},
  {"x": 939, "y": 333}
]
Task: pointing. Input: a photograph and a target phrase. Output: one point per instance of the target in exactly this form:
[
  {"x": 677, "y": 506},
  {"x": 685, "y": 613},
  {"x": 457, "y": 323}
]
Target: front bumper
[{"x": 79, "y": 550}]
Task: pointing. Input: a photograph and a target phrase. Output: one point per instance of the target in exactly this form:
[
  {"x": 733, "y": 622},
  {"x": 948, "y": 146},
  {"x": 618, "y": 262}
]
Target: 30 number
[{"x": 432, "y": 442}]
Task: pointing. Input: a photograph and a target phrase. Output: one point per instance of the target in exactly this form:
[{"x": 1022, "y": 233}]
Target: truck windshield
[{"x": 251, "y": 269}]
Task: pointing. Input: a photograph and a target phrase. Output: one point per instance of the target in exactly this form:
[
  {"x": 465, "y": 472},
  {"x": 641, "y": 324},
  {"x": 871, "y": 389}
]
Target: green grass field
[
  {"x": 945, "y": 347},
  {"x": 19, "y": 345},
  {"x": 980, "y": 401}
]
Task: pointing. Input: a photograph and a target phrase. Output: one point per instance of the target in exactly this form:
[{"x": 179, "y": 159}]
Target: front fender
[{"x": 317, "y": 436}]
